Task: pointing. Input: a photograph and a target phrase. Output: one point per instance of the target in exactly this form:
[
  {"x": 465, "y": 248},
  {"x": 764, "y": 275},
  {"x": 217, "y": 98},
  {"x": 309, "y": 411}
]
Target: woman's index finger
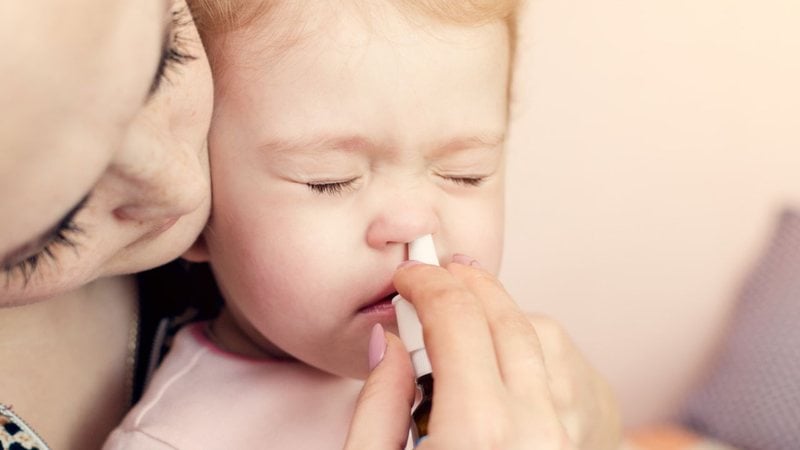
[
  {"x": 517, "y": 347},
  {"x": 457, "y": 338}
]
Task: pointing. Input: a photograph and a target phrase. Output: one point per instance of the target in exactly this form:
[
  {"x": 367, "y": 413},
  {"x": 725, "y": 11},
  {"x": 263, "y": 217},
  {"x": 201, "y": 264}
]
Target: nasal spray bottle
[{"x": 422, "y": 250}]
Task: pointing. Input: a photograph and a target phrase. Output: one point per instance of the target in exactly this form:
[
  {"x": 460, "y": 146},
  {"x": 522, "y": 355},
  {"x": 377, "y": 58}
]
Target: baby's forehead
[{"x": 237, "y": 30}]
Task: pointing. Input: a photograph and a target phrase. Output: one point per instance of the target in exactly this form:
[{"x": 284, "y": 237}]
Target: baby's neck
[{"x": 226, "y": 333}]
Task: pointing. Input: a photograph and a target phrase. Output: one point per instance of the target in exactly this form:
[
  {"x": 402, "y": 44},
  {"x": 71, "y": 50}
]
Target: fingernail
[
  {"x": 408, "y": 263},
  {"x": 377, "y": 346},
  {"x": 465, "y": 260}
]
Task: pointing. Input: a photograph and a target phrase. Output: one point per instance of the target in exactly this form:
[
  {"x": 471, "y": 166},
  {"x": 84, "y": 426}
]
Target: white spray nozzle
[{"x": 422, "y": 250}]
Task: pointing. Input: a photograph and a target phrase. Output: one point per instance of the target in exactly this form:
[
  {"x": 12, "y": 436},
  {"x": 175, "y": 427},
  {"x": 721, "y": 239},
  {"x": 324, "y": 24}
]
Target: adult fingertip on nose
[
  {"x": 465, "y": 260},
  {"x": 408, "y": 263}
]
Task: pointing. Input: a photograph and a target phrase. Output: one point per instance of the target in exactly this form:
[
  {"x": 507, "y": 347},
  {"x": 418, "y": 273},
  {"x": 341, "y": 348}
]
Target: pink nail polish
[{"x": 377, "y": 346}]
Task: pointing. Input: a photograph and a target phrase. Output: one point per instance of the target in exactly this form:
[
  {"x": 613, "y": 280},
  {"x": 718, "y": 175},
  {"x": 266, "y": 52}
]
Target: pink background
[{"x": 652, "y": 144}]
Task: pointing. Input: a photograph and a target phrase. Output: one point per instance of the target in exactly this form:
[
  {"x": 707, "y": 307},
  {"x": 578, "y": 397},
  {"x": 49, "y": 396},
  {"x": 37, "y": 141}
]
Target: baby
[{"x": 342, "y": 130}]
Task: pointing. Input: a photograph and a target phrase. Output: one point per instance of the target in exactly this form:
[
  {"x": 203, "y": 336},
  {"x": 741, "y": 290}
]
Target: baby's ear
[{"x": 198, "y": 252}]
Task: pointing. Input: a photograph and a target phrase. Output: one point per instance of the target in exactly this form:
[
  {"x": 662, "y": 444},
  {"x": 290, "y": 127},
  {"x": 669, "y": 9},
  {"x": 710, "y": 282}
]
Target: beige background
[{"x": 653, "y": 143}]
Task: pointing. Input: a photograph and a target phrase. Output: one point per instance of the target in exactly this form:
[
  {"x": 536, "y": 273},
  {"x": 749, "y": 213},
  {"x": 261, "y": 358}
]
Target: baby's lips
[{"x": 386, "y": 298}]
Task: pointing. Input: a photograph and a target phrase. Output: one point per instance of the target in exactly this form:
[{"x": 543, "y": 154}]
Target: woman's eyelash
[
  {"x": 63, "y": 235},
  {"x": 331, "y": 188},
  {"x": 173, "y": 53}
]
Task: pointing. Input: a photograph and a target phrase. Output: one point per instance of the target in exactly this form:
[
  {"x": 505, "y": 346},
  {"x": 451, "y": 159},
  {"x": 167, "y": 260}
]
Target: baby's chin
[
  {"x": 358, "y": 370},
  {"x": 355, "y": 375},
  {"x": 355, "y": 365}
]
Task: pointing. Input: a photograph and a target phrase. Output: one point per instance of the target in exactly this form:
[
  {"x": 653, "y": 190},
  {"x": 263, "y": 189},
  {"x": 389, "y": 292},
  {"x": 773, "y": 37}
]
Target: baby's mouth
[{"x": 382, "y": 304}]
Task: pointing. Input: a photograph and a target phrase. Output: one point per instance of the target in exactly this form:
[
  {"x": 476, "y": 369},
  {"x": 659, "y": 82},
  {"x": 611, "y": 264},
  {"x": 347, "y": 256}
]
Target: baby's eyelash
[
  {"x": 174, "y": 53},
  {"x": 467, "y": 181},
  {"x": 336, "y": 188}
]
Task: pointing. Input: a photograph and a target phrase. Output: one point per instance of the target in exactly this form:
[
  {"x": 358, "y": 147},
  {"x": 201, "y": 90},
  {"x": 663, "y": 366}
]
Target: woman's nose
[
  {"x": 162, "y": 180},
  {"x": 401, "y": 222}
]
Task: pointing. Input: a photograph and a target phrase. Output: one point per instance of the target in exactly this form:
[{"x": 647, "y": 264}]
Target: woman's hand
[
  {"x": 503, "y": 380},
  {"x": 586, "y": 405}
]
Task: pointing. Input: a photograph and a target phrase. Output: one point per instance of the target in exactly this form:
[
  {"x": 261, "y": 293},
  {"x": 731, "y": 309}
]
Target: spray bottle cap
[{"x": 422, "y": 250}]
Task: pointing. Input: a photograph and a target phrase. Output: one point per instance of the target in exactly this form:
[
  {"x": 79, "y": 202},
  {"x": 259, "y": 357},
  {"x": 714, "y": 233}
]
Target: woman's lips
[{"x": 159, "y": 229}]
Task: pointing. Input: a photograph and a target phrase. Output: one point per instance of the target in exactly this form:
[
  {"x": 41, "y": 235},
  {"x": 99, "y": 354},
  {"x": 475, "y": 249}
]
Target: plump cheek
[
  {"x": 485, "y": 246},
  {"x": 299, "y": 313},
  {"x": 475, "y": 227},
  {"x": 253, "y": 262},
  {"x": 290, "y": 286},
  {"x": 495, "y": 235}
]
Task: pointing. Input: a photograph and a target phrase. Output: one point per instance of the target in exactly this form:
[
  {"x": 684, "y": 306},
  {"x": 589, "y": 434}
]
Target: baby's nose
[{"x": 402, "y": 223}]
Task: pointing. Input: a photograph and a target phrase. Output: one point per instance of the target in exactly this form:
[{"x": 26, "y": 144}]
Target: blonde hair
[
  {"x": 222, "y": 16},
  {"x": 469, "y": 12},
  {"x": 217, "y": 17},
  {"x": 214, "y": 17}
]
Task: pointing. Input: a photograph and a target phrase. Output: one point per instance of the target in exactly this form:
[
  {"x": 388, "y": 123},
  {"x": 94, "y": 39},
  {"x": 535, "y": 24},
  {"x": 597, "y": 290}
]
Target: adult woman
[{"x": 110, "y": 160}]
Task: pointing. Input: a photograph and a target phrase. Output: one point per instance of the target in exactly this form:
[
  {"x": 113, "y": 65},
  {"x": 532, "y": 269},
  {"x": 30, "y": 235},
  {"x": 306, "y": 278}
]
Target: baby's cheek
[
  {"x": 491, "y": 241},
  {"x": 488, "y": 253},
  {"x": 474, "y": 225}
]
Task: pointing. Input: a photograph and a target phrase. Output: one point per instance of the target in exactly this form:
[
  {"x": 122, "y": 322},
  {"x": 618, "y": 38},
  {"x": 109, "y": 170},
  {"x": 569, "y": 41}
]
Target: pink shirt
[{"x": 204, "y": 398}]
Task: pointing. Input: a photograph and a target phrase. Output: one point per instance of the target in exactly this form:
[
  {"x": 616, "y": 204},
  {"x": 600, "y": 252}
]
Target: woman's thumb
[{"x": 383, "y": 409}]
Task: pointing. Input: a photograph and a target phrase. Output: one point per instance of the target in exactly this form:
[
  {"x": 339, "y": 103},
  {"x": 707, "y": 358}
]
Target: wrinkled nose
[
  {"x": 161, "y": 182},
  {"x": 401, "y": 222}
]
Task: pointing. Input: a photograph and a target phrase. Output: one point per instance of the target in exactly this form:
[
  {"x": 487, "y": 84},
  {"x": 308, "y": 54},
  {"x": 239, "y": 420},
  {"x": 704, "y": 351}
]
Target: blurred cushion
[
  {"x": 751, "y": 398},
  {"x": 669, "y": 437}
]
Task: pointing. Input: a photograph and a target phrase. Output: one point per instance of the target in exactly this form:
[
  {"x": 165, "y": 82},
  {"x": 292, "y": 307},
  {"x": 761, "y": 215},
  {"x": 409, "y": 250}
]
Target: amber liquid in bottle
[{"x": 421, "y": 414}]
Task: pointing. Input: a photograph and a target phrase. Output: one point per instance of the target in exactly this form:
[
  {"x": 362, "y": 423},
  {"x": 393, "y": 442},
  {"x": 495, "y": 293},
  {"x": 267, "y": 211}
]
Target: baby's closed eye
[{"x": 332, "y": 187}]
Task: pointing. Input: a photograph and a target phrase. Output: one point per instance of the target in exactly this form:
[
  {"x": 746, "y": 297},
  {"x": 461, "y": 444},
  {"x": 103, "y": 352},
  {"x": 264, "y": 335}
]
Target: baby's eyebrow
[
  {"x": 483, "y": 140},
  {"x": 357, "y": 143},
  {"x": 316, "y": 144}
]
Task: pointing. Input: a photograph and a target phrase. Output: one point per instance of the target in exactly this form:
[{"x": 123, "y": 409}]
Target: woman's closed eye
[
  {"x": 27, "y": 259},
  {"x": 173, "y": 53}
]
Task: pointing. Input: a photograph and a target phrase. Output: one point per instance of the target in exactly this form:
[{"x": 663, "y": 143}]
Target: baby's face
[{"x": 328, "y": 157}]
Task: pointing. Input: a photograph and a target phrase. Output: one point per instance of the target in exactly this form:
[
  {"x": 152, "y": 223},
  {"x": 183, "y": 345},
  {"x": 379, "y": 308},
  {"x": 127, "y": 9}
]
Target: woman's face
[{"x": 104, "y": 110}]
